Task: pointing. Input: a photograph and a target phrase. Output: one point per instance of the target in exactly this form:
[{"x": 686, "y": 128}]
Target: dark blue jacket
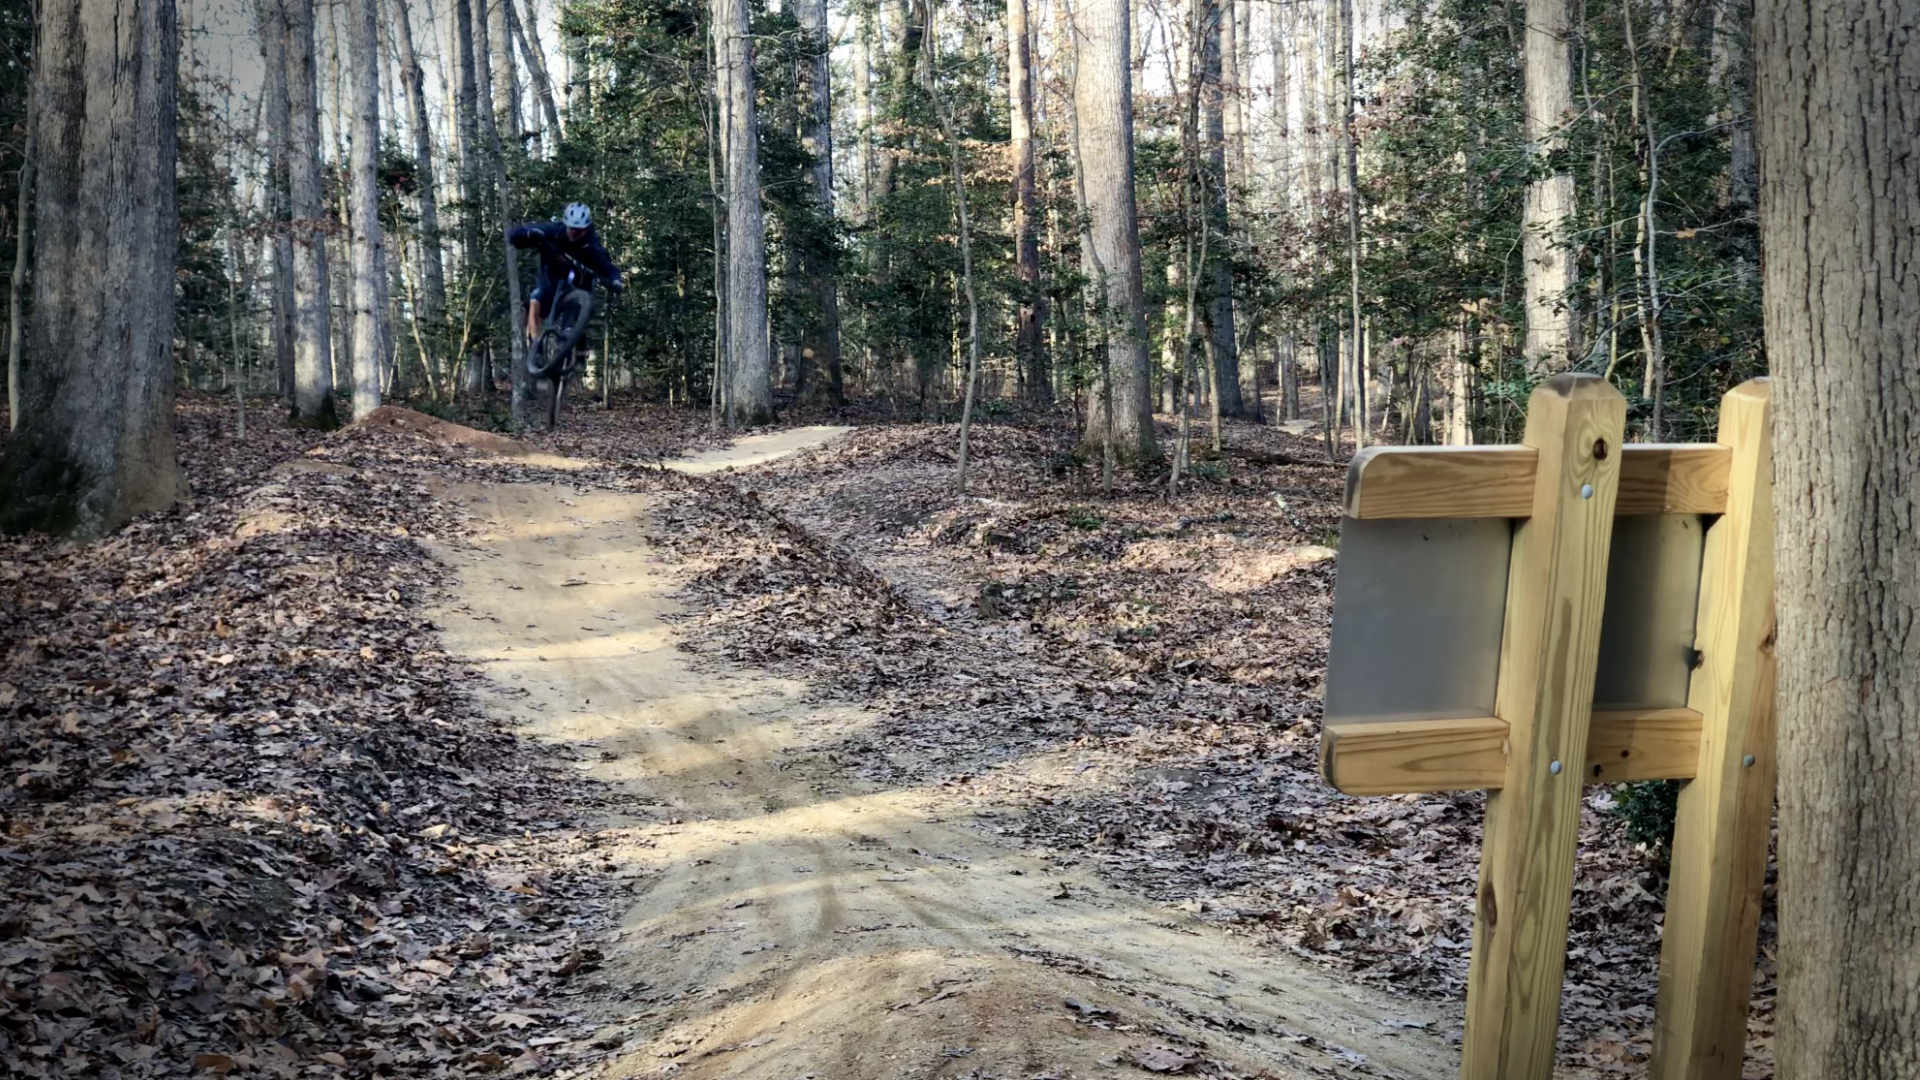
[{"x": 549, "y": 238}]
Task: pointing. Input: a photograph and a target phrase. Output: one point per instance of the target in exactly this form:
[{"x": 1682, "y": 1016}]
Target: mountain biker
[{"x": 572, "y": 237}]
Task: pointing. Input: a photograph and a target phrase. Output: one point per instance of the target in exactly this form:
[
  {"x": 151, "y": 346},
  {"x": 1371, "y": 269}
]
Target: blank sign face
[
  {"x": 1417, "y": 612},
  {"x": 1419, "y": 607}
]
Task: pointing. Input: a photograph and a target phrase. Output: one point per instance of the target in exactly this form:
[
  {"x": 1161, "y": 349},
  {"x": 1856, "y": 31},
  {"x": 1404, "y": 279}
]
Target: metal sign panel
[
  {"x": 1417, "y": 612},
  {"x": 1419, "y": 607},
  {"x": 1653, "y": 593}
]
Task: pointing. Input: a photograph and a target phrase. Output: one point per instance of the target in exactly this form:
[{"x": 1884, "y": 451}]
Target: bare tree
[
  {"x": 750, "y": 396},
  {"x": 312, "y": 305},
  {"x": 16, "y": 292},
  {"x": 1350, "y": 169},
  {"x": 863, "y": 104},
  {"x": 369, "y": 243},
  {"x": 271, "y": 21},
  {"x": 819, "y": 371},
  {"x": 1840, "y": 223},
  {"x": 1208, "y": 19},
  {"x": 1545, "y": 247},
  {"x": 497, "y": 40},
  {"x": 528, "y": 36},
  {"x": 1029, "y": 344},
  {"x": 94, "y": 443},
  {"x": 1120, "y": 412},
  {"x": 432, "y": 270},
  {"x": 520, "y": 401}
]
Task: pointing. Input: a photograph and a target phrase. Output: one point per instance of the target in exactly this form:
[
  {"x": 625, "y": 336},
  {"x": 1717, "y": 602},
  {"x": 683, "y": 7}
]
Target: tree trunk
[
  {"x": 1545, "y": 247},
  {"x": 1840, "y": 222},
  {"x": 1029, "y": 347},
  {"x": 312, "y": 301},
  {"x": 959, "y": 178},
  {"x": 369, "y": 245},
  {"x": 863, "y": 106},
  {"x": 432, "y": 272},
  {"x": 16, "y": 290},
  {"x": 907, "y": 47},
  {"x": 272, "y": 24},
  {"x": 750, "y": 400},
  {"x": 1350, "y": 164},
  {"x": 466, "y": 110},
  {"x": 528, "y": 37},
  {"x": 521, "y": 393},
  {"x": 820, "y": 346},
  {"x": 1120, "y": 418},
  {"x": 94, "y": 444},
  {"x": 1285, "y": 348},
  {"x": 717, "y": 207},
  {"x": 1241, "y": 87},
  {"x": 1208, "y": 16},
  {"x": 498, "y": 41},
  {"x": 1733, "y": 73}
]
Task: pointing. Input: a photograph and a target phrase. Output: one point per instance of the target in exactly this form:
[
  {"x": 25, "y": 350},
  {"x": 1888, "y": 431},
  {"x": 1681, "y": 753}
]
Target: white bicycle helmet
[{"x": 577, "y": 216}]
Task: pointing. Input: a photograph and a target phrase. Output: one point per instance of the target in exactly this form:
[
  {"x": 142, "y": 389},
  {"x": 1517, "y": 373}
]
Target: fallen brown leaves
[
  {"x": 1138, "y": 680},
  {"x": 251, "y": 820}
]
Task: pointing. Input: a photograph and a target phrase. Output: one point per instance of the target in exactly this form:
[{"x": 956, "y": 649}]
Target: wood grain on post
[
  {"x": 1400, "y": 757},
  {"x": 1721, "y": 828},
  {"x": 1556, "y": 589},
  {"x": 1497, "y": 481}
]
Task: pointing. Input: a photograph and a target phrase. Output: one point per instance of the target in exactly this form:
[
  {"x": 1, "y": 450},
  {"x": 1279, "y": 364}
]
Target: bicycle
[{"x": 552, "y": 354}]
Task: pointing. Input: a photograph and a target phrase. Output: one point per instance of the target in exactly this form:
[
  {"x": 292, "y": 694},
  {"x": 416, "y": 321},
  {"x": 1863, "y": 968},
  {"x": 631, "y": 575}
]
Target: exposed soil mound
[{"x": 439, "y": 432}]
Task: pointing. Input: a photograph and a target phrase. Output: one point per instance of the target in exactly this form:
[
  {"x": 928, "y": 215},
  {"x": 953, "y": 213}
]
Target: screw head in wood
[
  {"x": 1586, "y": 491},
  {"x": 1554, "y": 768},
  {"x": 1747, "y": 761}
]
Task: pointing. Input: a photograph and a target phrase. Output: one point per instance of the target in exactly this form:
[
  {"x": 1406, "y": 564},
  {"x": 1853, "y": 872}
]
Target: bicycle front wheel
[{"x": 570, "y": 317}]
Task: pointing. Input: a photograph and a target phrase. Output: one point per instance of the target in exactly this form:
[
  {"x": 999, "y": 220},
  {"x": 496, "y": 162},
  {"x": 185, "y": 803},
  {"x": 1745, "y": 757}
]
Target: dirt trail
[{"x": 795, "y": 922}]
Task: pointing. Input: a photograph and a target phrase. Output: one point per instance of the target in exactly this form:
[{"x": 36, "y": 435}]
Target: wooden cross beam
[{"x": 1564, "y": 487}]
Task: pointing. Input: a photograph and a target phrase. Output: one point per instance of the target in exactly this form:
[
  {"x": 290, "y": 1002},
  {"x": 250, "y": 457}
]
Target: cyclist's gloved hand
[{"x": 616, "y": 286}]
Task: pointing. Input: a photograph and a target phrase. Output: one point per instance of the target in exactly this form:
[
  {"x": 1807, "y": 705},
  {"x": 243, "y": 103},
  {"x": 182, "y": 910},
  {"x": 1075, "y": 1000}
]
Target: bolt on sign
[{"x": 1529, "y": 619}]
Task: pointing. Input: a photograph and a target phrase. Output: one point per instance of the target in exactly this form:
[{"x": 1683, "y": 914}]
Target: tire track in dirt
[{"x": 796, "y": 921}]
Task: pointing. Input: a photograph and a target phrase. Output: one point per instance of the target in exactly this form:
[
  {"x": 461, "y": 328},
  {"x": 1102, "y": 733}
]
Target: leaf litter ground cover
[
  {"x": 1134, "y": 683},
  {"x": 252, "y": 821},
  {"x": 261, "y": 828}
]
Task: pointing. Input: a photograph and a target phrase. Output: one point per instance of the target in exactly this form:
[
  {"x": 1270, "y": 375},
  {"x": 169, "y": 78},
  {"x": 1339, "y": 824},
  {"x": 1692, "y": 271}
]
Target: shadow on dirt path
[{"x": 796, "y": 922}]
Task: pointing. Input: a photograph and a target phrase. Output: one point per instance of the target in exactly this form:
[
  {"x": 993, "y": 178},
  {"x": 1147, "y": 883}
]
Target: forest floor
[{"x": 412, "y": 750}]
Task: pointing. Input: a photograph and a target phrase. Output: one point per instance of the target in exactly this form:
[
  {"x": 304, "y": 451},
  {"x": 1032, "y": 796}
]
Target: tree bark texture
[
  {"x": 749, "y": 368},
  {"x": 1733, "y": 72},
  {"x": 1029, "y": 348},
  {"x": 1103, "y": 152},
  {"x": 1350, "y": 165},
  {"x": 1545, "y": 247},
  {"x": 271, "y": 21},
  {"x": 820, "y": 347},
  {"x": 467, "y": 123},
  {"x": 369, "y": 292},
  {"x": 94, "y": 445},
  {"x": 1839, "y": 101},
  {"x": 506, "y": 75},
  {"x": 528, "y": 36},
  {"x": 432, "y": 269},
  {"x": 520, "y": 383},
  {"x": 312, "y": 301},
  {"x": 1208, "y": 17},
  {"x": 17, "y": 286},
  {"x": 863, "y": 106}
]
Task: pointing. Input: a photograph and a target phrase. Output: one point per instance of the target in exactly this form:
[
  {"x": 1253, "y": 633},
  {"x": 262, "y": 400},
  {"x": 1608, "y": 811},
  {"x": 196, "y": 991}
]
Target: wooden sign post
[{"x": 1566, "y": 486}]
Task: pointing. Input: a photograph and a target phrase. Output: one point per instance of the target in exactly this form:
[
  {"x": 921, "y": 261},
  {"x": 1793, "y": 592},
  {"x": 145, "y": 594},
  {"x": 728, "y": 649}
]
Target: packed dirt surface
[
  {"x": 796, "y": 919},
  {"x": 754, "y": 450}
]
